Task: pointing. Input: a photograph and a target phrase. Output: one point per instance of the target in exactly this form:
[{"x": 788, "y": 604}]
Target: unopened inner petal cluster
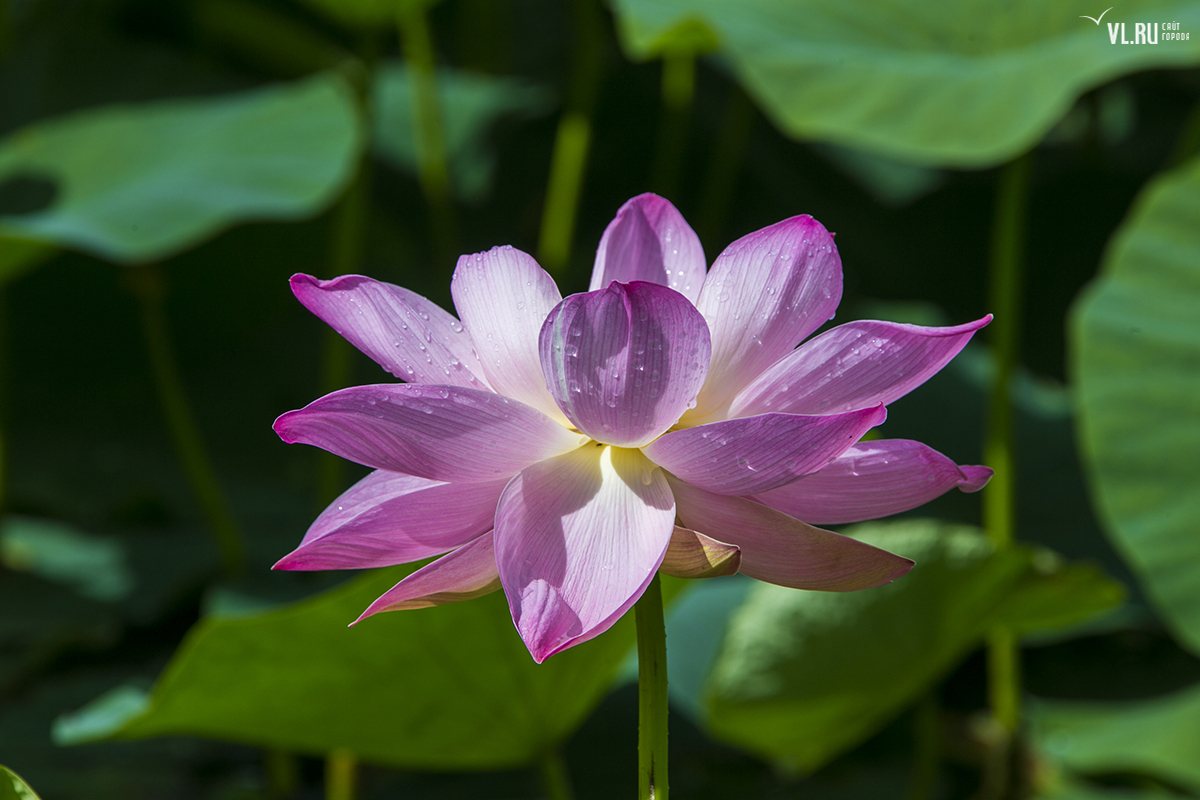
[{"x": 566, "y": 450}]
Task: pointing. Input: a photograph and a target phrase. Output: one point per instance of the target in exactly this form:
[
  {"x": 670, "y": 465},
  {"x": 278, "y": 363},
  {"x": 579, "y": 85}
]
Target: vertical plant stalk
[
  {"x": 568, "y": 164},
  {"x": 555, "y": 778},
  {"x": 999, "y": 499},
  {"x": 433, "y": 169},
  {"x": 341, "y": 775},
  {"x": 652, "y": 694},
  {"x": 149, "y": 287},
  {"x": 678, "y": 90},
  {"x": 720, "y": 178}
]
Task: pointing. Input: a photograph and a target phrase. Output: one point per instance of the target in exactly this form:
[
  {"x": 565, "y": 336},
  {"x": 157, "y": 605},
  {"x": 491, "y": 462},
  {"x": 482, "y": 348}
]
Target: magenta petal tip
[{"x": 974, "y": 478}]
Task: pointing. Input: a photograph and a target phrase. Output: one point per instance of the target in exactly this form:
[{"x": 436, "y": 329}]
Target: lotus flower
[{"x": 567, "y": 449}]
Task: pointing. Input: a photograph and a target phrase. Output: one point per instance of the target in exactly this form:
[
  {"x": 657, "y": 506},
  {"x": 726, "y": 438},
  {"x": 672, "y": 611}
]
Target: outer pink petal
[
  {"x": 763, "y": 295},
  {"x": 388, "y": 518},
  {"x": 624, "y": 362},
  {"x": 467, "y": 573},
  {"x": 755, "y": 454},
  {"x": 409, "y": 336},
  {"x": 578, "y": 539},
  {"x": 872, "y": 480},
  {"x": 857, "y": 365},
  {"x": 649, "y": 240},
  {"x": 443, "y": 433},
  {"x": 503, "y": 297},
  {"x": 779, "y": 549},
  {"x": 694, "y": 555}
]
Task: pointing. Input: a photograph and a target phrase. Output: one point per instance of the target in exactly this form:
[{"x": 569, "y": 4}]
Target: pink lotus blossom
[{"x": 567, "y": 449}]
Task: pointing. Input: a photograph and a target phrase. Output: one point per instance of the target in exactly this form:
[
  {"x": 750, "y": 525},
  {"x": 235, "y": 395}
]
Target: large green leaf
[
  {"x": 802, "y": 676},
  {"x": 1158, "y": 737},
  {"x": 95, "y": 567},
  {"x": 471, "y": 104},
  {"x": 13, "y": 788},
  {"x": 443, "y": 688},
  {"x": 138, "y": 183},
  {"x": 1135, "y": 347},
  {"x": 966, "y": 83},
  {"x": 1056, "y": 596}
]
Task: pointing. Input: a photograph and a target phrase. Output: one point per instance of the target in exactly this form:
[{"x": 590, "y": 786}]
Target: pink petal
[
  {"x": 649, "y": 240},
  {"x": 388, "y": 518},
  {"x": 624, "y": 362},
  {"x": 785, "y": 551},
  {"x": 578, "y": 539},
  {"x": 409, "y": 336},
  {"x": 694, "y": 555},
  {"x": 857, "y": 365},
  {"x": 755, "y": 454},
  {"x": 443, "y": 433},
  {"x": 763, "y": 295},
  {"x": 872, "y": 480},
  {"x": 466, "y": 573},
  {"x": 503, "y": 297}
]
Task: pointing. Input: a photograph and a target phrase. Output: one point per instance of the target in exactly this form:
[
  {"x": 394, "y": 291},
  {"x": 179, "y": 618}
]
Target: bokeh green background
[{"x": 189, "y": 156}]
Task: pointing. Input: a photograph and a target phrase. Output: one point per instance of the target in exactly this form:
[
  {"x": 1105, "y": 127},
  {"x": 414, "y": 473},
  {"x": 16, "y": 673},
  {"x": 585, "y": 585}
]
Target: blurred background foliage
[{"x": 165, "y": 166}]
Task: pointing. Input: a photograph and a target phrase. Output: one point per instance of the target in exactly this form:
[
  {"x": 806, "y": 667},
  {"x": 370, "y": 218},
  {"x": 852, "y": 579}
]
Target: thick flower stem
[
  {"x": 341, "y": 775},
  {"x": 148, "y": 287},
  {"x": 652, "y": 694},
  {"x": 433, "y": 170},
  {"x": 573, "y": 141},
  {"x": 720, "y": 179},
  {"x": 555, "y": 778},
  {"x": 999, "y": 499},
  {"x": 678, "y": 89}
]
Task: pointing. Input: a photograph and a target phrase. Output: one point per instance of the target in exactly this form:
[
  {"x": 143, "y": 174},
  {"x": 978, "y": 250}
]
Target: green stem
[
  {"x": 652, "y": 694},
  {"x": 149, "y": 287},
  {"x": 721, "y": 177},
  {"x": 999, "y": 499},
  {"x": 678, "y": 89},
  {"x": 432, "y": 164},
  {"x": 568, "y": 164},
  {"x": 341, "y": 775},
  {"x": 555, "y": 778}
]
